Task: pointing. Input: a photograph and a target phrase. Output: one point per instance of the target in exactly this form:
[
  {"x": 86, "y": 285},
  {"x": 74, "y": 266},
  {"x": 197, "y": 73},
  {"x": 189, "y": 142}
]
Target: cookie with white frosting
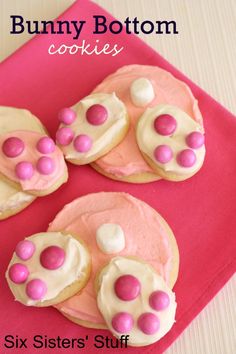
[
  {"x": 47, "y": 268},
  {"x": 135, "y": 301},
  {"x": 92, "y": 127}
]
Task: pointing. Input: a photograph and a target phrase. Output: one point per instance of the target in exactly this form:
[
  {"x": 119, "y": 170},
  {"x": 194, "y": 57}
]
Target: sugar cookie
[{"x": 47, "y": 268}]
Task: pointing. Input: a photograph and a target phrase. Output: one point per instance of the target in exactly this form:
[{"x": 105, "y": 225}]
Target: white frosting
[
  {"x": 141, "y": 92},
  {"x": 12, "y": 119},
  {"x": 109, "y": 304},
  {"x": 102, "y": 135},
  {"x": 110, "y": 238},
  {"x": 148, "y": 139},
  {"x": 75, "y": 264}
]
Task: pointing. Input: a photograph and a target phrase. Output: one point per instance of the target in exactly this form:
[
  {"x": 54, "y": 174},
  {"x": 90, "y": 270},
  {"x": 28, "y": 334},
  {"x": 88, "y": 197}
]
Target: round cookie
[
  {"x": 12, "y": 199},
  {"x": 92, "y": 127},
  {"x": 171, "y": 142},
  {"x": 31, "y": 162},
  {"x": 135, "y": 301},
  {"x": 47, "y": 268},
  {"x": 123, "y": 225},
  {"x": 140, "y": 87}
]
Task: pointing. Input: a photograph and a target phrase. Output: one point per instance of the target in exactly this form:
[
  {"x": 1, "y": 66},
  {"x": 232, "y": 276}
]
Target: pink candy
[
  {"x": 165, "y": 124},
  {"x": 25, "y": 249},
  {"x": 64, "y": 136},
  {"x": 127, "y": 287},
  {"x": 24, "y": 170},
  {"x": 148, "y": 323},
  {"x": 13, "y": 147},
  {"x": 66, "y": 116},
  {"x": 52, "y": 257},
  {"x": 46, "y": 145},
  {"x": 45, "y": 165},
  {"x": 18, "y": 273},
  {"x": 159, "y": 300},
  {"x": 36, "y": 289},
  {"x": 122, "y": 322},
  {"x": 83, "y": 143},
  {"x": 186, "y": 158},
  {"x": 163, "y": 153},
  {"x": 96, "y": 114},
  {"x": 195, "y": 140}
]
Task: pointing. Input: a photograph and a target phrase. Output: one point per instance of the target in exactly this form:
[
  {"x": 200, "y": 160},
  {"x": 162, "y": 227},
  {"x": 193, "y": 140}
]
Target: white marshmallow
[
  {"x": 142, "y": 92},
  {"x": 110, "y": 238}
]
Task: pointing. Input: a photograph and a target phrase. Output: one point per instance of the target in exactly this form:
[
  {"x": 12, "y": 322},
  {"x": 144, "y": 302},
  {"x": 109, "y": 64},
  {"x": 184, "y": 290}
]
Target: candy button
[
  {"x": 24, "y": 170},
  {"x": 52, "y": 257},
  {"x": 66, "y": 116},
  {"x": 18, "y": 273},
  {"x": 122, "y": 322},
  {"x": 64, "y": 136},
  {"x": 96, "y": 114},
  {"x": 83, "y": 143},
  {"x": 127, "y": 287},
  {"x": 46, "y": 145},
  {"x": 36, "y": 289},
  {"x": 13, "y": 147},
  {"x": 159, "y": 300},
  {"x": 148, "y": 323},
  {"x": 163, "y": 153},
  {"x": 25, "y": 249},
  {"x": 186, "y": 158},
  {"x": 195, "y": 140},
  {"x": 45, "y": 165},
  {"x": 165, "y": 124}
]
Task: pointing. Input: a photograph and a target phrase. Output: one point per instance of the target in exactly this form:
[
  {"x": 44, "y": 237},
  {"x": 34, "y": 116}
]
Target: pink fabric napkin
[{"x": 201, "y": 210}]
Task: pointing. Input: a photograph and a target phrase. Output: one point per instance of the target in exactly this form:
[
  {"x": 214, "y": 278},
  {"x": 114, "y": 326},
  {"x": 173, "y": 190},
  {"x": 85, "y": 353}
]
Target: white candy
[
  {"x": 110, "y": 238},
  {"x": 141, "y": 91}
]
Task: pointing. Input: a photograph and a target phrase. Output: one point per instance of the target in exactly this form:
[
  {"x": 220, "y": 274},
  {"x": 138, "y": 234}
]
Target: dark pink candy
[
  {"x": 24, "y": 170},
  {"x": 64, "y": 136},
  {"x": 127, "y": 287},
  {"x": 159, "y": 300},
  {"x": 13, "y": 147},
  {"x": 52, "y": 257},
  {"x": 148, "y": 323},
  {"x": 163, "y": 153},
  {"x": 45, "y": 165},
  {"x": 25, "y": 249},
  {"x": 195, "y": 140},
  {"x": 122, "y": 322},
  {"x": 66, "y": 116},
  {"x": 18, "y": 273},
  {"x": 83, "y": 143},
  {"x": 96, "y": 114},
  {"x": 165, "y": 124},
  {"x": 36, "y": 289},
  {"x": 45, "y": 145},
  {"x": 186, "y": 158}
]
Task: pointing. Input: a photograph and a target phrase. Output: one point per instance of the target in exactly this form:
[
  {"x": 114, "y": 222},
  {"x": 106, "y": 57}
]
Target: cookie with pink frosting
[
  {"x": 47, "y": 268},
  {"x": 135, "y": 301},
  {"x": 140, "y": 88},
  {"x": 92, "y": 127},
  {"x": 171, "y": 142}
]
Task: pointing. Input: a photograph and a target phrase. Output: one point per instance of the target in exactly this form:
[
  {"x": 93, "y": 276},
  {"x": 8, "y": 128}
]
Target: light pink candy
[
  {"x": 46, "y": 145},
  {"x": 163, "y": 153},
  {"x": 148, "y": 323},
  {"x": 96, "y": 114},
  {"x": 18, "y": 273},
  {"x": 83, "y": 143},
  {"x": 195, "y": 140},
  {"x": 64, "y": 136},
  {"x": 24, "y": 170},
  {"x": 66, "y": 116},
  {"x": 159, "y": 300},
  {"x": 186, "y": 158},
  {"x": 127, "y": 287},
  {"x": 165, "y": 124},
  {"x": 122, "y": 322},
  {"x": 36, "y": 289},
  {"x": 52, "y": 257},
  {"x": 45, "y": 165},
  {"x": 13, "y": 147},
  {"x": 25, "y": 249}
]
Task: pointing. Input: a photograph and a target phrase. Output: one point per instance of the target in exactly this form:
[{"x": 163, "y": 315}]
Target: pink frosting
[
  {"x": 126, "y": 159},
  {"x": 146, "y": 239},
  {"x": 31, "y": 155}
]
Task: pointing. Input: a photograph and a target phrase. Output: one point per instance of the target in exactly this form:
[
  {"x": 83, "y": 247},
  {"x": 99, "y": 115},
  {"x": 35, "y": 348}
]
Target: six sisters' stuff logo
[{"x": 100, "y": 26}]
